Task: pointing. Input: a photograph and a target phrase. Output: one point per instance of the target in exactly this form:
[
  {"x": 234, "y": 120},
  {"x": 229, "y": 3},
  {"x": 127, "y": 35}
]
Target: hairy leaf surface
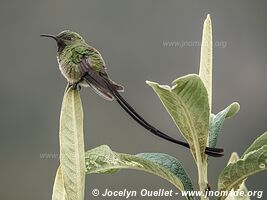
[
  {"x": 234, "y": 157},
  {"x": 217, "y": 121},
  {"x": 187, "y": 103},
  {"x": 253, "y": 161},
  {"x": 102, "y": 160},
  {"x": 59, "y": 192},
  {"x": 205, "y": 70},
  {"x": 72, "y": 145}
]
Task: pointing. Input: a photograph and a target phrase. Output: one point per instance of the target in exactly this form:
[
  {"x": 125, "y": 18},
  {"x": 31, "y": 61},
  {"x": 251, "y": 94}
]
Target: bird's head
[{"x": 65, "y": 39}]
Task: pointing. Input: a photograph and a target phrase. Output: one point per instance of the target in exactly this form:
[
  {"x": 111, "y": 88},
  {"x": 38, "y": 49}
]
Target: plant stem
[{"x": 202, "y": 176}]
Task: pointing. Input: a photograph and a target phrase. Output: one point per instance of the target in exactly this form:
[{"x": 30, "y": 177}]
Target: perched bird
[{"x": 82, "y": 65}]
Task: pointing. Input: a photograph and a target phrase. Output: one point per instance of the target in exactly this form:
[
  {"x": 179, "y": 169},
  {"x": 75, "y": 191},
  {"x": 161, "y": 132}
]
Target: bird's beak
[{"x": 48, "y": 35}]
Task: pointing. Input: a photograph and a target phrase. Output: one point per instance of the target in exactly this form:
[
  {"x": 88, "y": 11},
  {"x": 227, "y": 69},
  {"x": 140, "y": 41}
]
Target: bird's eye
[{"x": 68, "y": 38}]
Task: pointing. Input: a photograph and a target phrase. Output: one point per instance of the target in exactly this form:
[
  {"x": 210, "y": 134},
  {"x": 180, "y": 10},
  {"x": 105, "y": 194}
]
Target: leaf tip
[
  {"x": 155, "y": 85},
  {"x": 186, "y": 77},
  {"x": 234, "y": 108},
  {"x": 152, "y": 84},
  {"x": 208, "y": 19},
  {"x": 234, "y": 157}
]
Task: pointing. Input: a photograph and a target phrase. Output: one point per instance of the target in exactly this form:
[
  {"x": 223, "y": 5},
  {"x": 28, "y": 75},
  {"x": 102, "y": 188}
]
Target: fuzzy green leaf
[
  {"x": 258, "y": 143},
  {"x": 216, "y": 122},
  {"x": 205, "y": 70},
  {"x": 170, "y": 163},
  {"x": 252, "y": 162},
  {"x": 72, "y": 145},
  {"x": 102, "y": 159},
  {"x": 59, "y": 192},
  {"x": 234, "y": 157},
  {"x": 187, "y": 103}
]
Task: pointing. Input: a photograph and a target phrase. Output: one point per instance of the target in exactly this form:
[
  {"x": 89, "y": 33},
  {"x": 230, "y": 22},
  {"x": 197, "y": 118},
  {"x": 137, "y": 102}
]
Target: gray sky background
[{"x": 130, "y": 36}]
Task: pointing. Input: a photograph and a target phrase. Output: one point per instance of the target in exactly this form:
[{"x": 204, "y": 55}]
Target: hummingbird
[{"x": 83, "y": 66}]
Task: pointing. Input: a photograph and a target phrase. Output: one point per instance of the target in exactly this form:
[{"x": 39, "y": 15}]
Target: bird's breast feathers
[
  {"x": 69, "y": 62},
  {"x": 69, "y": 70}
]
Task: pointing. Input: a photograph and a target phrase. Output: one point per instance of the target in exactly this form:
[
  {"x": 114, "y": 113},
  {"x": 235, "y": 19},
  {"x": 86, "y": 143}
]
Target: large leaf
[
  {"x": 102, "y": 160},
  {"x": 205, "y": 70},
  {"x": 59, "y": 192},
  {"x": 187, "y": 103},
  {"x": 216, "y": 122},
  {"x": 72, "y": 145},
  {"x": 252, "y": 162}
]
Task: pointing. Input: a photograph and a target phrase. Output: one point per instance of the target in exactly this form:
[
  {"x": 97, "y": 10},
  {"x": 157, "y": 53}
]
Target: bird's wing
[
  {"x": 98, "y": 83},
  {"x": 94, "y": 59},
  {"x": 98, "y": 89}
]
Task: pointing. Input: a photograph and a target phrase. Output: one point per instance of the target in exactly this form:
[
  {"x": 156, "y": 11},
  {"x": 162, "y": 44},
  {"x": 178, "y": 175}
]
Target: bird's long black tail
[
  {"x": 106, "y": 84},
  {"x": 215, "y": 152}
]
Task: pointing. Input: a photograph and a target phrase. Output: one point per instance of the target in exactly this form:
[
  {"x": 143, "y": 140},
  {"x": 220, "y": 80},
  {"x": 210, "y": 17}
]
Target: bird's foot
[{"x": 75, "y": 86}]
